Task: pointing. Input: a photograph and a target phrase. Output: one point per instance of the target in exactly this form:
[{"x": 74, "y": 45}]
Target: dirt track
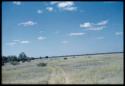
[{"x": 58, "y": 76}]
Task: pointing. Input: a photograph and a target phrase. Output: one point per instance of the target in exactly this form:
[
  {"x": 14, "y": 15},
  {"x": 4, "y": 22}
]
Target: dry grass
[{"x": 97, "y": 69}]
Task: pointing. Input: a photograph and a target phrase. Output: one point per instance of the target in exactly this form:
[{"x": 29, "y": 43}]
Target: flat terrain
[{"x": 91, "y": 69}]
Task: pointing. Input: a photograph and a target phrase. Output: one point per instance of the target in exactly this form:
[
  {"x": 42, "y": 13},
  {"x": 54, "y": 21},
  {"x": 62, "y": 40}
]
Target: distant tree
[
  {"x": 32, "y": 58},
  {"x": 4, "y": 60},
  {"x": 14, "y": 58},
  {"x": 46, "y": 57},
  {"x": 40, "y": 57},
  {"x": 22, "y": 57},
  {"x": 10, "y": 59}
]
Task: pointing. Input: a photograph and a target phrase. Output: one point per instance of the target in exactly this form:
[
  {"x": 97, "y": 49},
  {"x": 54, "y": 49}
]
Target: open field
[{"x": 93, "y": 69}]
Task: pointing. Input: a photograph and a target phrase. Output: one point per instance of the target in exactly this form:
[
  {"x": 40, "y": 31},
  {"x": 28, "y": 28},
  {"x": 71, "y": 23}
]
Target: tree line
[{"x": 21, "y": 58}]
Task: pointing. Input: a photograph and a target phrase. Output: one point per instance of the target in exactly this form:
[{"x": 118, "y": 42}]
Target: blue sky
[{"x": 61, "y": 28}]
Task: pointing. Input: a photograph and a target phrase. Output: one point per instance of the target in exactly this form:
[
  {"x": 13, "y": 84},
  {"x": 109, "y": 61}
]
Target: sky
[{"x": 55, "y": 28}]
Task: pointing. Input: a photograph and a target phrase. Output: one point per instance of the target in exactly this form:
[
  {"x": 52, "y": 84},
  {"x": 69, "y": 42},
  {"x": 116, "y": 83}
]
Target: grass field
[{"x": 93, "y": 69}]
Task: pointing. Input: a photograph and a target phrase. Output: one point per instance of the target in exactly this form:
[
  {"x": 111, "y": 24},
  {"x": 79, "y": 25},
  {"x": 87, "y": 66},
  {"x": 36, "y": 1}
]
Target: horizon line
[{"x": 77, "y": 54}]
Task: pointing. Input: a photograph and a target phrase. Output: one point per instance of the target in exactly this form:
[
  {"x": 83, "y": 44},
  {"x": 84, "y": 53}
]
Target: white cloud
[
  {"x": 70, "y": 8},
  {"x": 11, "y": 43},
  {"x": 50, "y": 9},
  {"x": 97, "y": 28},
  {"x": 16, "y": 40},
  {"x": 86, "y": 25},
  {"x": 103, "y": 22},
  {"x": 28, "y": 23},
  {"x": 65, "y": 5},
  {"x": 41, "y": 38},
  {"x": 24, "y": 42},
  {"x": 39, "y": 11},
  {"x": 54, "y": 2},
  {"x": 100, "y": 38},
  {"x": 65, "y": 42},
  {"x": 17, "y": 2},
  {"x": 76, "y": 34},
  {"x": 94, "y": 26},
  {"x": 118, "y": 33}
]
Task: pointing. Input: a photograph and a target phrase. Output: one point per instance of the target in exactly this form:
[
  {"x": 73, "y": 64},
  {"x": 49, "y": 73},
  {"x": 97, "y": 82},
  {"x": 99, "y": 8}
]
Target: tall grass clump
[
  {"x": 42, "y": 64},
  {"x": 14, "y": 63}
]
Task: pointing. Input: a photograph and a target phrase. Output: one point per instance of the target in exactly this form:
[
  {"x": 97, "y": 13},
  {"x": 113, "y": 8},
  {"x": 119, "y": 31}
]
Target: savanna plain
[{"x": 88, "y": 69}]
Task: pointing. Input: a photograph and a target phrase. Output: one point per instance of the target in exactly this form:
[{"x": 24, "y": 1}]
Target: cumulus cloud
[
  {"x": 103, "y": 22},
  {"x": 24, "y": 42},
  {"x": 70, "y": 8},
  {"x": 15, "y": 42},
  {"x": 118, "y": 33},
  {"x": 27, "y": 23},
  {"x": 41, "y": 38},
  {"x": 65, "y": 42},
  {"x": 94, "y": 26},
  {"x": 39, "y": 11},
  {"x": 17, "y": 2},
  {"x": 65, "y": 5},
  {"x": 54, "y": 2},
  {"x": 50, "y": 9},
  {"x": 86, "y": 25},
  {"x": 76, "y": 34}
]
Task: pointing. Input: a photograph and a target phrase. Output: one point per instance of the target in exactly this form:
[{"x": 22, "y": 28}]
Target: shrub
[
  {"x": 14, "y": 62},
  {"x": 46, "y": 57},
  {"x": 65, "y": 58},
  {"x": 32, "y": 58},
  {"x": 42, "y": 64},
  {"x": 28, "y": 60},
  {"x": 40, "y": 57}
]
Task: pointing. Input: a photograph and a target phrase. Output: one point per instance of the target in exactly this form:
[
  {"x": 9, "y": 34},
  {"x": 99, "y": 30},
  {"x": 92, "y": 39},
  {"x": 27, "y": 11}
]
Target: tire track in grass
[{"x": 58, "y": 76}]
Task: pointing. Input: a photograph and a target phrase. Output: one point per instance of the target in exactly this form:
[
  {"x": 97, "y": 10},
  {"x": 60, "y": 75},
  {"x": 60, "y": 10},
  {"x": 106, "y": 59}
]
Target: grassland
[{"x": 91, "y": 69}]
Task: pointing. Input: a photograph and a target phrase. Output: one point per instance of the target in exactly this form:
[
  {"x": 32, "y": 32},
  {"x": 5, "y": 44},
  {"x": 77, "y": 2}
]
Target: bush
[
  {"x": 14, "y": 63},
  {"x": 42, "y": 64},
  {"x": 40, "y": 57},
  {"x": 32, "y": 58},
  {"x": 65, "y": 58},
  {"x": 28, "y": 60},
  {"x": 46, "y": 57}
]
